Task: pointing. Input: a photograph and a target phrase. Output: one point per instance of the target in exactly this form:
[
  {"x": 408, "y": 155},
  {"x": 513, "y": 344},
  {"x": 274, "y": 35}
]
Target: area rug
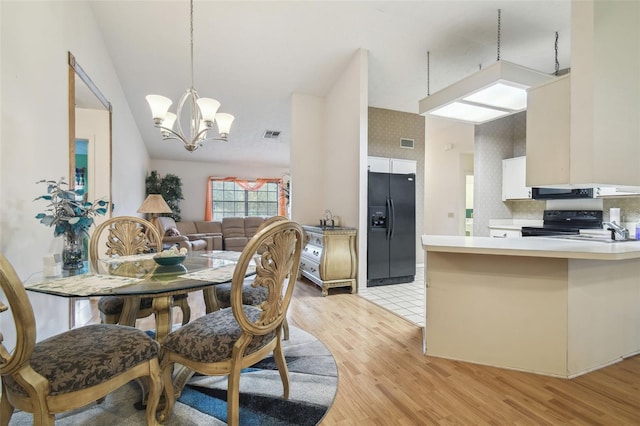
[{"x": 314, "y": 380}]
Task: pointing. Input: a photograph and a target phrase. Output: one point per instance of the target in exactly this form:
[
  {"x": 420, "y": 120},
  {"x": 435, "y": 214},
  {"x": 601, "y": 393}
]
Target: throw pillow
[{"x": 173, "y": 232}]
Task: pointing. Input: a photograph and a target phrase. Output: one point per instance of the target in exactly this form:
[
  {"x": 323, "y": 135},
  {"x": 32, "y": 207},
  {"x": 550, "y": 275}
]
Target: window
[{"x": 232, "y": 198}]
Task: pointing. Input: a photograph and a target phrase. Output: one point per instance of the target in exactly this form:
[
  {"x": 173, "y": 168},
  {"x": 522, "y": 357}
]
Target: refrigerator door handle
[
  {"x": 389, "y": 224},
  {"x": 392, "y": 214}
]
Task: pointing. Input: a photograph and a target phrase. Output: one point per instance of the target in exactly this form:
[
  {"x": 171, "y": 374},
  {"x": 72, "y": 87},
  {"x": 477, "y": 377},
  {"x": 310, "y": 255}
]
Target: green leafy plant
[
  {"x": 68, "y": 210},
  {"x": 170, "y": 187}
]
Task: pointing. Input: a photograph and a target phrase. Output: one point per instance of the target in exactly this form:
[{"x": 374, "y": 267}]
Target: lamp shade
[
  {"x": 224, "y": 122},
  {"x": 208, "y": 108},
  {"x": 154, "y": 204},
  {"x": 159, "y": 106}
]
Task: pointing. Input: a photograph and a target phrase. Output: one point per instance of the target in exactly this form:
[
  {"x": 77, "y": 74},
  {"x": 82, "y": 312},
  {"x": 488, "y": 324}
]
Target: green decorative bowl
[{"x": 169, "y": 261}]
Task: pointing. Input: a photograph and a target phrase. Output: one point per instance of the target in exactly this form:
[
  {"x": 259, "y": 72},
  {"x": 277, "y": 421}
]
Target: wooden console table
[{"x": 329, "y": 257}]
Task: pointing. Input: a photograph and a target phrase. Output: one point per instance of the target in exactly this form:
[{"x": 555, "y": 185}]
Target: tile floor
[{"x": 405, "y": 300}]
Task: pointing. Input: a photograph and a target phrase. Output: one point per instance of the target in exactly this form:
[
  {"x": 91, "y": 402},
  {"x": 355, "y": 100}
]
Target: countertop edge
[{"x": 531, "y": 247}]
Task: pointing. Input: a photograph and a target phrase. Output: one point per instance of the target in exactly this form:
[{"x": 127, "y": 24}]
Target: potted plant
[
  {"x": 71, "y": 215},
  {"x": 170, "y": 187}
]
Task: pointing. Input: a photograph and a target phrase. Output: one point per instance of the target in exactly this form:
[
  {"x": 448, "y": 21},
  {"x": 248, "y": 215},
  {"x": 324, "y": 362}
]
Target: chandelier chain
[
  {"x": 428, "y": 73},
  {"x": 499, "y": 13},
  {"x": 191, "y": 35},
  {"x": 556, "y": 49}
]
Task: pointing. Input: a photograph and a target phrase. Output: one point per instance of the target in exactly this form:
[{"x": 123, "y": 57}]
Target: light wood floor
[{"x": 384, "y": 379}]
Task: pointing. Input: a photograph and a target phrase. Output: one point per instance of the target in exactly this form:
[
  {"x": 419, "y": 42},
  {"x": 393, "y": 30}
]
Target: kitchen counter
[
  {"x": 544, "y": 305},
  {"x": 556, "y": 247}
]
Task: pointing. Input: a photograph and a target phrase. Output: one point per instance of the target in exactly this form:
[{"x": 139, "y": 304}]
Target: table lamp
[{"x": 154, "y": 204}]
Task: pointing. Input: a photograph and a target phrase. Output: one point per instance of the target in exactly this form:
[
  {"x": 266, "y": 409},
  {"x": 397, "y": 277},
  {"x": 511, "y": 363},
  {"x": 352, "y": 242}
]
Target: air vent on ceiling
[
  {"x": 271, "y": 134},
  {"x": 406, "y": 143}
]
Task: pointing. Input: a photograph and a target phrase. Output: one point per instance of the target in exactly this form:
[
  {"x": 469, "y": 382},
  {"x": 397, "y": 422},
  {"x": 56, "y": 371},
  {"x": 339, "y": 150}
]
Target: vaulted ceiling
[{"x": 252, "y": 55}]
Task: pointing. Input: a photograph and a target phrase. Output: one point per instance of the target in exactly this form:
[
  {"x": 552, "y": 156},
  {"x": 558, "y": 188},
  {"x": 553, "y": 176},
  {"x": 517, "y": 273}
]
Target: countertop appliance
[
  {"x": 391, "y": 229},
  {"x": 561, "y": 193},
  {"x": 565, "y": 222}
]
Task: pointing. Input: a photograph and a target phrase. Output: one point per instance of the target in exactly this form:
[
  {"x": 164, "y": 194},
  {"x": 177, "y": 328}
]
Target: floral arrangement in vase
[{"x": 71, "y": 215}]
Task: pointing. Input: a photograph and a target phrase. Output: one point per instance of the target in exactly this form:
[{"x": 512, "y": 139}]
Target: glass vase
[{"x": 73, "y": 251}]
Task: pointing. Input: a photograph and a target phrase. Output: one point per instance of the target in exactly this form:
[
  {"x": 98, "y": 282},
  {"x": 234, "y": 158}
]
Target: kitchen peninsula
[{"x": 544, "y": 305}]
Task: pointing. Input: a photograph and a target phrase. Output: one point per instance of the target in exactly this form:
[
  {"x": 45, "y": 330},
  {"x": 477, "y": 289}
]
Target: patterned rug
[{"x": 314, "y": 380}]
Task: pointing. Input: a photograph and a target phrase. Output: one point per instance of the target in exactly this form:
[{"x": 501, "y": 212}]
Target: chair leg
[
  {"x": 285, "y": 329},
  {"x": 233, "y": 396},
  {"x": 155, "y": 391},
  {"x": 6, "y": 409},
  {"x": 167, "y": 393},
  {"x": 281, "y": 363}
]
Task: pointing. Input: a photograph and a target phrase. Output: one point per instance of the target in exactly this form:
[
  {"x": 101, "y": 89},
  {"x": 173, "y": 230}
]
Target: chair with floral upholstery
[
  {"x": 224, "y": 342},
  {"x": 251, "y": 295},
  {"x": 125, "y": 236},
  {"x": 72, "y": 369}
]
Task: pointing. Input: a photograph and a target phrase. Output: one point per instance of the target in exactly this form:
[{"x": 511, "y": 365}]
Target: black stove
[{"x": 564, "y": 222}]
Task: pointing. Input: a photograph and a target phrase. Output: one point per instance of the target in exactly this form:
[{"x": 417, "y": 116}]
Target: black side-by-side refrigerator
[{"x": 391, "y": 235}]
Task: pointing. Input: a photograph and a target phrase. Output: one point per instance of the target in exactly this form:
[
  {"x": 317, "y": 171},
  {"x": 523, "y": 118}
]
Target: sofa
[
  {"x": 171, "y": 235},
  {"x": 232, "y": 233}
]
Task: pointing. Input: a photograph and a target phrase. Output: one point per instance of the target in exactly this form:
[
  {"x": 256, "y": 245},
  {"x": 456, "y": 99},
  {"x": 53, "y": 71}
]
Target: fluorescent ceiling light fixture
[{"x": 500, "y": 87}]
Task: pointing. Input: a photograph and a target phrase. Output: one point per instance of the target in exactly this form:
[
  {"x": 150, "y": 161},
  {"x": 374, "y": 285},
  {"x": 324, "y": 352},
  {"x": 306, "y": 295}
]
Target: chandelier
[{"x": 203, "y": 113}]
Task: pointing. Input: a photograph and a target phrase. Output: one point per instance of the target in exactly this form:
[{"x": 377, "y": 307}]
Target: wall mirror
[{"x": 89, "y": 135}]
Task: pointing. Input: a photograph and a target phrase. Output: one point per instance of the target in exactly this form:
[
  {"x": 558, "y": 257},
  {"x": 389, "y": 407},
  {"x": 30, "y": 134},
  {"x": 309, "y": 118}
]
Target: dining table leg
[
  {"x": 129, "y": 311},
  {"x": 162, "y": 310},
  {"x": 210, "y": 299}
]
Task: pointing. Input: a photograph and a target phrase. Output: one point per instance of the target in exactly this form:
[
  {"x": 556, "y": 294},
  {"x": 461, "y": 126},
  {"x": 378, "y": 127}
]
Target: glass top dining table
[{"x": 134, "y": 277}]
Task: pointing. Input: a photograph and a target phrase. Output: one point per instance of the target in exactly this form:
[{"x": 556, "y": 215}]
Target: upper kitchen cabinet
[
  {"x": 391, "y": 165},
  {"x": 583, "y": 129},
  {"x": 513, "y": 179}
]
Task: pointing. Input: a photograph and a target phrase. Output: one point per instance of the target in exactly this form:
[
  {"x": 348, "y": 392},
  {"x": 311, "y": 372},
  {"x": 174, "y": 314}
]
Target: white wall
[
  {"x": 329, "y": 152},
  {"x": 194, "y": 176},
  {"x": 307, "y": 157},
  {"x": 36, "y": 37},
  {"x": 444, "y": 201}
]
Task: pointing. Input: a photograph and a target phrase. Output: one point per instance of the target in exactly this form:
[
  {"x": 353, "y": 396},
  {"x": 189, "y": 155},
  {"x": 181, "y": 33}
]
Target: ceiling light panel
[
  {"x": 470, "y": 113},
  {"x": 501, "y": 95}
]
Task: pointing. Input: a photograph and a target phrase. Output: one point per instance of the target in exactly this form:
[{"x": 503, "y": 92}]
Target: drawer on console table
[{"x": 313, "y": 252}]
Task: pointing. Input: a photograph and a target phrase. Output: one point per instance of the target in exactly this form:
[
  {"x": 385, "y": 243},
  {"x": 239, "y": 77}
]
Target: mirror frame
[{"x": 76, "y": 70}]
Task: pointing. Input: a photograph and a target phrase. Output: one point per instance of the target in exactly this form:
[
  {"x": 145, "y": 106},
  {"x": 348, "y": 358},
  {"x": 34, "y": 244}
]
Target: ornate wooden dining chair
[
  {"x": 226, "y": 341},
  {"x": 251, "y": 294},
  {"x": 125, "y": 236},
  {"x": 72, "y": 369}
]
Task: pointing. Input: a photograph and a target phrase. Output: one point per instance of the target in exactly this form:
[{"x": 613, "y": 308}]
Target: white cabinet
[
  {"x": 582, "y": 128},
  {"x": 504, "y": 233},
  {"x": 513, "y": 179},
  {"x": 391, "y": 165},
  {"x": 548, "y": 133}
]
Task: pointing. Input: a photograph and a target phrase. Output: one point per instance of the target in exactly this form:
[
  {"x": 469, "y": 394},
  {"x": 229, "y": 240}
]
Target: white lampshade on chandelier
[
  {"x": 491, "y": 93},
  {"x": 203, "y": 113}
]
